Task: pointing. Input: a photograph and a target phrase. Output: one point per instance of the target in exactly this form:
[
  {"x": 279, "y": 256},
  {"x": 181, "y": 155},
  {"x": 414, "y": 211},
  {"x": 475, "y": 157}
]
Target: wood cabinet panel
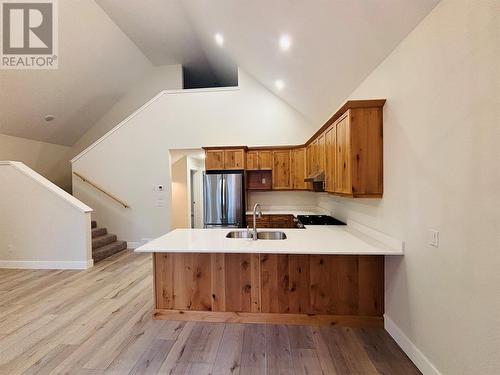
[
  {"x": 259, "y": 160},
  {"x": 349, "y": 285},
  {"x": 330, "y": 158},
  {"x": 252, "y": 161},
  {"x": 321, "y": 153},
  {"x": 366, "y": 151},
  {"x": 214, "y": 160},
  {"x": 299, "y": 169},
  {"x": 262, "y": 222},
  {"x": 234, "y": 159},
  {"x": 265, "y": 160},
  {"x": 281, "y": 169},
  {"x": 343, "y": 175}
]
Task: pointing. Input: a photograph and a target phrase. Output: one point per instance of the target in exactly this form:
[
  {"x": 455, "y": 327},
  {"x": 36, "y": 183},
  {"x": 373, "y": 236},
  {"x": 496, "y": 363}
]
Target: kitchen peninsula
[{"x": 318, "y": 275}]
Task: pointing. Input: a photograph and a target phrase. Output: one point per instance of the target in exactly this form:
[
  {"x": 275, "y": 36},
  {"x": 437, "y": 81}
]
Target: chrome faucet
[{"x": 255, "y": 220}]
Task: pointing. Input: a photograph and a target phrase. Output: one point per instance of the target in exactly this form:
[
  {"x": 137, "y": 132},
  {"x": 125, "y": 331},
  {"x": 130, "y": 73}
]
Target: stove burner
[{"x": 319, "y": 220}]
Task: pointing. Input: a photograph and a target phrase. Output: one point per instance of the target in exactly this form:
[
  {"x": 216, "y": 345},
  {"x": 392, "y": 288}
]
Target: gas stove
[{"x": 319, "y": 220}]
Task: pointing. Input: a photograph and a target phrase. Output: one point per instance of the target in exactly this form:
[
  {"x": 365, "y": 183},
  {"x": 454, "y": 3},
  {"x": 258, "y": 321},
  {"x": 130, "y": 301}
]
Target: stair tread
[
  {"x": 108, "y": 250},
  {"x": 109, "y": 246},
  {"x": 97, "y": 232},
  {"x": 103, "y": 240}
]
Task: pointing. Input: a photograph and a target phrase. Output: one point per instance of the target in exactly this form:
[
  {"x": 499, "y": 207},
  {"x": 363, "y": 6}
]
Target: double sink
[{"x": 260, "y": 235}]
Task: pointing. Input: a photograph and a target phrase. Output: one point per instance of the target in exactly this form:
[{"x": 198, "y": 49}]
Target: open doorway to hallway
[{"x": 187, "y": 168}]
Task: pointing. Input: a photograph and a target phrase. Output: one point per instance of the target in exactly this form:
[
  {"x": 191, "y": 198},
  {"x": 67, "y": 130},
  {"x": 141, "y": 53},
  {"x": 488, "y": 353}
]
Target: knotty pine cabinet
[
  {"x": 225, "y": 159},
  {"x": 348, "y": 148},
  {"x": 359, "y": 153},
  {"x": 330, "y": 158},
  {"x": 281, "y": 170},
  {"x": 299, "y": 169},
  {"x": 259, "y": 160}
]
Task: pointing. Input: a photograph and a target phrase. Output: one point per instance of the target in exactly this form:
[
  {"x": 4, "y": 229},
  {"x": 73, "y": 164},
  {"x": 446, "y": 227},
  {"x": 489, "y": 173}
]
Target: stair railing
[{"x": 95, "y": 186}]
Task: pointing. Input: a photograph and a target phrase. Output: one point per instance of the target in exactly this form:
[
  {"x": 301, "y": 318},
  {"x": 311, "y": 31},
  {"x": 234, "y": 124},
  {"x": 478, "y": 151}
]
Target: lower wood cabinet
[
  {"x": 273, "y": 221},
  {"x": 351, "y": 285}
]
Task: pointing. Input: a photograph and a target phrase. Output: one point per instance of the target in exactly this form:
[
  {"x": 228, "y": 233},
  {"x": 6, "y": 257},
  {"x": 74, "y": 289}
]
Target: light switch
[{"x": 434, "y": 237}]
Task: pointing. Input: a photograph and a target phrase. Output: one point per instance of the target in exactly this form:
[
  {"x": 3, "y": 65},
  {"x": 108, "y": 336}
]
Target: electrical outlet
[{"x": 434, "y": 237}]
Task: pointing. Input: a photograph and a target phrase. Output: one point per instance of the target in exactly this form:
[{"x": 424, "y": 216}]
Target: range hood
[{"x": 317, "y": 179}]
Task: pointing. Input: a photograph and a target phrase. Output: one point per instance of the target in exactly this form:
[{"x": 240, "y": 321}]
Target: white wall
[
  {"x": 180, "y": 193},
  {"x": 41, "y": 226},
  {"x": 181, "y": 189},
  {"x": 156, "y": 79},
  {"x": 134, "y": 159},
  {"x": 45, "y": 158},
  {"x": 282, "y": 200},
  {"x": 442, "y": 171}
]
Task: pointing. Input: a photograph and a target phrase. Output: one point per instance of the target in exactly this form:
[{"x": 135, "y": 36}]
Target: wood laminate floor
[{"x": 99, "y": 322}]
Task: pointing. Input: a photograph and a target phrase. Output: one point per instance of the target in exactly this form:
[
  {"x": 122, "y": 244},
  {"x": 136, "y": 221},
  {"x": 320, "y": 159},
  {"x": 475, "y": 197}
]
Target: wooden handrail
[{"x": 84, "y": 179}]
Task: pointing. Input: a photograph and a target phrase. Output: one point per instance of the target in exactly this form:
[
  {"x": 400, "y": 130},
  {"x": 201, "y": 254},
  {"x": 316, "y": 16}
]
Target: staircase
[{"x": 104, "y": 244}]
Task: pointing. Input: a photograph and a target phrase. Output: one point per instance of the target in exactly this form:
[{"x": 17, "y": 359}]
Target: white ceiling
[
  {"x": 336, "y": 44},
  {"x": 97, "y": 65}
]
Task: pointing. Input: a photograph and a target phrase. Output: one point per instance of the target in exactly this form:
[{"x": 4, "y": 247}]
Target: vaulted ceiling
[{"x": 107, "y": 47}]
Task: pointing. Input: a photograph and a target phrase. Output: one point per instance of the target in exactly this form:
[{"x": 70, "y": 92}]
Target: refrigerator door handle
[{"x": 223, "y": 197}]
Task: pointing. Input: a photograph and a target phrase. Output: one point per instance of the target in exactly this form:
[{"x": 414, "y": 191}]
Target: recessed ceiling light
[
  {"x": 49, "y": 118},
  {"x": 285, "y": 42},
  {"x": 279, "y": 84},
  {"x": 219, "y": 39}
]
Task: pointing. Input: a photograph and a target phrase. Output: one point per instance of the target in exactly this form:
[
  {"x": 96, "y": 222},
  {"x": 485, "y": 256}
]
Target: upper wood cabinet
[
  {"x": 214, "y": 159},
  {"x": 348, "y": 149},
  {"x": 225, "y": 159},
  {"x": 359, "y": 163},
  {"x": 330, "y": 158},
  {"x": 320, "y": 154},
  {"x": 299, "y": 169},
  {"x": 259, "y": 160},
  {"x": 281, "y": 169},
  {"x": 234, "y": 159}
]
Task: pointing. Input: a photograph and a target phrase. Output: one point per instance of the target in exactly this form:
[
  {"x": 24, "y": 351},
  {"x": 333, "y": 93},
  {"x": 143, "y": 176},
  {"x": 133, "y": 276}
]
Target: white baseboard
[
  {"x": 47, "y": 264},
  {"x": 417, "y": 357}
]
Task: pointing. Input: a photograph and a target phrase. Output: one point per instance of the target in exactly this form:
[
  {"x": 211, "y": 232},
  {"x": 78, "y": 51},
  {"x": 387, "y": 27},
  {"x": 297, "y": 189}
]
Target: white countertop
[{"x": 312, "y": 240}]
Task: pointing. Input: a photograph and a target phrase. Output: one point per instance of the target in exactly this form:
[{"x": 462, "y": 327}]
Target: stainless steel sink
[
  {"x": 271, "y": 236},
  {"x": 260, "y": 235},
  {"x": 239, "y": 234}
]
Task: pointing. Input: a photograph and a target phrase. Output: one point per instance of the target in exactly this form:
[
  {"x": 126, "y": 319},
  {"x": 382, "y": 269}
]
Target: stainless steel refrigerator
[{"x": 224, "y": 199}]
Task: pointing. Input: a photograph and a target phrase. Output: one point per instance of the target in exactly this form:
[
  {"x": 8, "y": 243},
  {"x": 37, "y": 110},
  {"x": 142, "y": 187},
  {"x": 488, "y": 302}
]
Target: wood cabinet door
[
  {"x": 265, "y": 160},
  {"x": 321, "y": 153},
  {"x": 299, "y": 169},
  {"x": 330, "y": 157},
  {"x": 281, "y": 169},
  {"x": 314, "y": 156},
  {"x": 214, "y": 160},
  {"x": 343, "y": 174},
  {"x": 234, "y": 159},
  {"x": 252, "y": 160}
]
